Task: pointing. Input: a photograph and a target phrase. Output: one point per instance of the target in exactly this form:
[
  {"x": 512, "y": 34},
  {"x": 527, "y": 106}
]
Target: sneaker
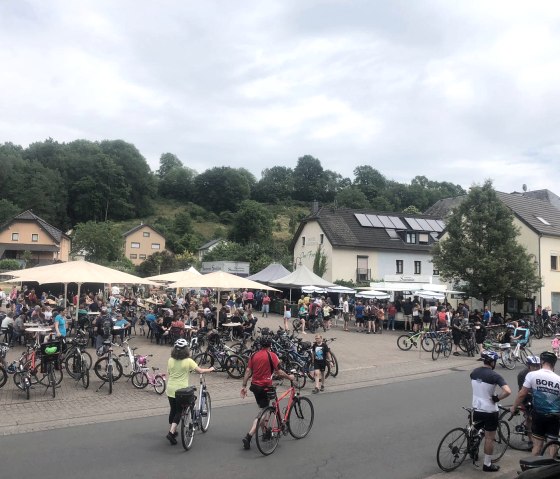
[
  {"x": 490, "y": 468},
  {"x": 246, "y": 443},
  {"x": 369, "y": 333},
  {"x": 171, "y": 438},
  {"x": 176, "y": 433},
  {"x": 455, "y": 353},
  {"x": 322, "y": 388},
  {"x": 315, "y": 391}
]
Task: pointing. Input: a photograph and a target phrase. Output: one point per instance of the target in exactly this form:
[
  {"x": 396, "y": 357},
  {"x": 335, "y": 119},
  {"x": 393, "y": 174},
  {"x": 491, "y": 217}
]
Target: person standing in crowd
[
  {"x": 287, "y": 315},
  {"x": 359, "y": 315},
  {"x": 265, "y": 305},
  {"x": 60, "y": 324},
  {"x": 261, "y": 367},
  {"x": 179, "y": 366},
  {"x": 485, "y": 403},
  {"x": 391, "y": 314},
  {"x": 345, "y": 312},
  {"x": 544, "y": 384}
]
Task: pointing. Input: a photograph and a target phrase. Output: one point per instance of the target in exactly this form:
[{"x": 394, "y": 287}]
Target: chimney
[{"x": 314, "y": 207}]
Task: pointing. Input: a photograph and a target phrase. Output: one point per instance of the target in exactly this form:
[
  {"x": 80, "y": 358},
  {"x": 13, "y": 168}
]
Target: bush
[{"x": 10, "y": 264}]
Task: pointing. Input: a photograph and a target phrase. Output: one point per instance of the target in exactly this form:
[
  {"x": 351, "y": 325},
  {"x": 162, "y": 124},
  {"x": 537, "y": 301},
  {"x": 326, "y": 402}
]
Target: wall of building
[
  {"x": 145, "y": 249},
  {"x": 26, "y": 230},
  {"x": 549, "y": 246},
  {"x": 305, "y": 254}
]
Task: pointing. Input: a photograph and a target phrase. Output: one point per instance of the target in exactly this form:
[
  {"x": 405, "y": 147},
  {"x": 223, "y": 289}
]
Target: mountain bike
[
  {"x": 295, "y": 418},
  {"x": 424, "y": 338},
  {"x": 194, "y": 416},
  {"x": 443, "y": 345},
  {"x": 108, "y": 368},
  {"x": 78, "y": 362},
  {"x": 460, "y": 441},
  {"x": 233, "y": 364}
]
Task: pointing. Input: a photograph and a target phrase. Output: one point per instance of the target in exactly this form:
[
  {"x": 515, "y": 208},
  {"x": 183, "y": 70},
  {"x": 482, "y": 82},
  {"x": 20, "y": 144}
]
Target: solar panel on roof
[
  {"x": 386, "y": 221},
  {"x": 442, "y": 224},
  {"x": 424, "y": 224},
  {"x": 434, "y": 235},
  {"x": 397, "y": 222},
  {"x": 434, "y": 224},
  {"x": 374, "y": 220},
  {"x": 362, "y": 219},
  {"x": 413, "y": 224},
  {"x": 392, "y": 233}
]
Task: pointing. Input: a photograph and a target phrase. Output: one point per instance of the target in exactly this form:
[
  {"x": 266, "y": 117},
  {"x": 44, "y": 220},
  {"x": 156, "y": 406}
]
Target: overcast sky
[{"x": 458, "y": 91}]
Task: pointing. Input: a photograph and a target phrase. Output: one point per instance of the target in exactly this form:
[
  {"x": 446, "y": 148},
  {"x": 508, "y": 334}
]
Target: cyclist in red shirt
[{"x": 262, "y": 365}]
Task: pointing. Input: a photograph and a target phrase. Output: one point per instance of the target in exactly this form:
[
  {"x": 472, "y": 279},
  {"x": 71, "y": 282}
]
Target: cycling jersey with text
[{"x": 545, "y": 385}]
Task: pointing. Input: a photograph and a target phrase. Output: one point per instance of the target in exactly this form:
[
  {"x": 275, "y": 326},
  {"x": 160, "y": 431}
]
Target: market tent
[
  {"x": 429, "y": 295},
  {"x": 372, "y": 294},
  {"x": 77, "y": 272},
  {"x": 313, "y": 289},
  {"x": 341, "y": 290},
  {"x": 220, "y": 280},
  {"x": 176, "y": 276},
  {"x": 271, "y": 273},
  {"x": 301, "y": 277}
]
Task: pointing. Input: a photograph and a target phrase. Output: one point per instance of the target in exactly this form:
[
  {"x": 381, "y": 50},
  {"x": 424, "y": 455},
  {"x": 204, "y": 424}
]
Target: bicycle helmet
[
  {"x": 489, "y": 356},
  {"x": 548, "y": 357},
  {"x": 510, "y": 326},
  {"x": 181, "y": 343},
  {"x": 533, "y": 361},
  {"x": 522, "y": 323}
]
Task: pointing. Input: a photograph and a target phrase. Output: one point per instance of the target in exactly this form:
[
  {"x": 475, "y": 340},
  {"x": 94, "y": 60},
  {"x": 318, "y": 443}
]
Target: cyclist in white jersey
[
  {"x": 485, "y": 403},
  {"x": 544, "y": 384}
]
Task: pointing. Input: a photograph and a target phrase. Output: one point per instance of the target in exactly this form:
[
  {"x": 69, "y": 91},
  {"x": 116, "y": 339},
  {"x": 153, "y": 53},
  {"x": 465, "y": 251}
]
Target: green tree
[
  {"x": 275, "y": 186},
  {"x": 177, "y": 184},
  {"x": 370, "y": 181},
  {"x": 320, "y": 261},
  {"x": 168, "y": 162},
  {"x": 253, "y": 222},
  {"x": 480, "y": 251},
  {"x": 411, "y": 210},
  {"x": 8, "y": 210},
  {"x": 352, "y": 197},
  {"x": 101, "y": 242},
  {"x": 160, "y": 262},
  {"x": 221, "y": 188},
  {"x": 309, "y": 181}
]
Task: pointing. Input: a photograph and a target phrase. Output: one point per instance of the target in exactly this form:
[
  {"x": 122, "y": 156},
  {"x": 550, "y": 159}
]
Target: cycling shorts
[
  {"x": 260, "y": 395},
  {"x": 544, "y": 425},
  {"x": 487, "y": 420}
]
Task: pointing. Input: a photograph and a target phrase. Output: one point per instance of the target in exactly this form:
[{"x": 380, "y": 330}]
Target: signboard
[
  {"x": 233, "y": 267},
  {"x": 407, "y": 278}
]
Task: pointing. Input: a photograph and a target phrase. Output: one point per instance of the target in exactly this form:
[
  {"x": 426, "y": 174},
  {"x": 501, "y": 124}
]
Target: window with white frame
[
  {"x": 411, "y": 238},
  {"x": 135, "y": 245},
  {"x": 142, "y": 256},
  {"x": 554, "y": 262},
  {"x": 418, "y": 267},
  {"x": 15, "y": 236},
  {"x": 35, "y": 238},
  {"x": 400, "y": 266},
  {"x": 146, "y": 234},
  {"x": 133, "y": 256},
  {"x": 423, "y": 238},
  {"x": 155, "y": 246}
]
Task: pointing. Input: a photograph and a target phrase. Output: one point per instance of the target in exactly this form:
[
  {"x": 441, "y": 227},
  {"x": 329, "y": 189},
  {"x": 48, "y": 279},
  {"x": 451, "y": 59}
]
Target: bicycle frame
[{"x": 291, "y": 391}]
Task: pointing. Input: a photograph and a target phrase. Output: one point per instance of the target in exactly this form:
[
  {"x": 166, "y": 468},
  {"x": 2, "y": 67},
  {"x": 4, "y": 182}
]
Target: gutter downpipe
[{"x": 540, "y": 276}]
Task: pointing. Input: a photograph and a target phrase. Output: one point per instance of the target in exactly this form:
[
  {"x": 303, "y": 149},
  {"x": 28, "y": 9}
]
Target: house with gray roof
[
  {"x": 365, "y": 245},
  {"x": 28, "y": 232},
  {"x": 538, "y": 220}
]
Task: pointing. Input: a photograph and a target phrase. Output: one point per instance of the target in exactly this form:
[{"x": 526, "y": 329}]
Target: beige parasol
[{"x": 221, "y": 280}]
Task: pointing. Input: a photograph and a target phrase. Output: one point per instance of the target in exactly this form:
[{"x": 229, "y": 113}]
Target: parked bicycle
[
  {"x": 231, "y": 363},
  {"x": 443, "y": 345},
  {"x": 78, "y": 362},
  {"x": 460, "y": 441},
  {"x": 519, "y": 432},
  {"x": 423, "y": 338},
  {"x": 194, "y": 416},
  {"x": 143, "y": 377},
  {"x": 296, "y": 418},
  {"x": 108, "y": 368}
]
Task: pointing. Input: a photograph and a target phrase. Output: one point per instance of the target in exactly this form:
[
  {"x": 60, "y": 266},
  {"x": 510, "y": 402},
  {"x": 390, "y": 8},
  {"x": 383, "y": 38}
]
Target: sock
[{"x": 487, "y": 460}]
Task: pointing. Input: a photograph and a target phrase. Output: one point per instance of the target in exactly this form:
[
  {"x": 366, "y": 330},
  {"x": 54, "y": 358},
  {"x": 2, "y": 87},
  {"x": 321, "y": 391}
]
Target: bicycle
[
  {"x": 333, "y": 363},
  {"x": 107, "y": 368},
  {"x": 233, "y": 364},
  {"x": 272, "y": 423},
  {"x": 519, "y": 432},
  {"x": 460, "y": 441},
  {"x": 194, "y": 416},
  {"x": 142, "y": 378},
  {"x": 50, "y": 361},
  {"x": 129, "y": 364},
  {"x": 4, "y": 348},
  {"x": 509, "y": 357},
  {"x": 443, "y": 345},
  {"x": 424, "y": 338},
  {"x": 78, "y": 362}
]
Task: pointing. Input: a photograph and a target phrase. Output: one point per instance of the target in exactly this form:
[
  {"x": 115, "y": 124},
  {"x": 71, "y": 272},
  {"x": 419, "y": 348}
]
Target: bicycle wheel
[
  {"x": 268, "y": 431},
  {"x": 404, "y": 342},
  {"x": 452, "y": 449},
  {"x": 300, "y": 417},
  {"x": 44, "y": 380},
  {"x": 507, "y": 360},
  {"x": 296, "y": 324},
  {"x": 140, "y": 380},
  {"x": 73, "y": 365},
  {"x": 204, "y": 360},
  {"x": 436, "y": 351},
  {"x": 235, "y": 366},
  {"x": 110, "y": 377},
  {"x": 548, "y": 449},
  {"x": 333, "y": 363},
  {"x": 128, "y": 369},
  {"x": 427, "y": 344},
  {"x": 3, "y": 376},
  {"x": 501, "y": 441},
  {"x": 52, "y": 380},
  {"x": 446, "y": 349},
  {"x": 205, "y": 411},
  {"x": 85, "y": 376},
  {"x": 27, "y": 386},
  {"x": 100, "y": 369},
  {"x": 159, "y": 384},
  {"x": 518, "y": 438},
  {"x": 187, "y": 428},
  {"x": 523, "y": 354}
]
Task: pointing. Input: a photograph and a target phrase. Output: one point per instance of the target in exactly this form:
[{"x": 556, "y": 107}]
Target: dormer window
[{"x": 411, "y": 238}]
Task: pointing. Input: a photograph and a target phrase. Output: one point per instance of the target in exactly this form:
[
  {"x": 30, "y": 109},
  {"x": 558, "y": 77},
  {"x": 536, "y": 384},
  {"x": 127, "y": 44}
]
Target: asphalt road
[{"x": 388, "y": 431}]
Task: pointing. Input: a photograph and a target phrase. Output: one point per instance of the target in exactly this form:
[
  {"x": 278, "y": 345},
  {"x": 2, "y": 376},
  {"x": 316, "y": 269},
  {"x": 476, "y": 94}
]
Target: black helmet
[
  {"x": 266, "y": 342},
  {"x": 548, "y": 357}
]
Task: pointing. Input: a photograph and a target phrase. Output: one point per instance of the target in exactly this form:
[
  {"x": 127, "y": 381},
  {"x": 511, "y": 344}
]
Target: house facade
[
  {"x": 538, "y": 221},
  {"x": 141, "y": 242},
  {"x": 28, "y": 232},
  {"x": 365, "y": 246},
  {"x": 209, "y": 246}
]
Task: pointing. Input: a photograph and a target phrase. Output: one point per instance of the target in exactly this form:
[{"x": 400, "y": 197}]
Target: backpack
[{"x": 106, "y": 326}]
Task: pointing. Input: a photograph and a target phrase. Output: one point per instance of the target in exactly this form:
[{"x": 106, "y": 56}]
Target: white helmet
[{"x": 181, "y": 343}]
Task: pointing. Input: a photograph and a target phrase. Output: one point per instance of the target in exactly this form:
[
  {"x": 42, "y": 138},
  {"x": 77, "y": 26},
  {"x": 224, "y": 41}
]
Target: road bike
[
  {"x": 295, "y": 418},
  {"x": 143, "y": 377},
  {"x": 509, "y": 356},
  {"x": 460, "y": 441},
  {"x": 424, "y": 338},
  {"x": 194, "y": 416},
  {"x": 519, "y": 438},
  {"x": 108, "y": 368}
]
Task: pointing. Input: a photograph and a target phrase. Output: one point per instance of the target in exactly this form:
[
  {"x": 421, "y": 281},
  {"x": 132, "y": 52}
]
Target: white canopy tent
[
  {"x": 271, "y": 273},
  {"x": 301, "y": 278},
  {"x": 372, "y": 294}
]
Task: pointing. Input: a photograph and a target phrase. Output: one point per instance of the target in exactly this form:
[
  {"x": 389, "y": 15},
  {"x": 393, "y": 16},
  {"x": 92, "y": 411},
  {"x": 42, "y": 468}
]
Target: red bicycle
[{"x": 295, "y": 418}]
